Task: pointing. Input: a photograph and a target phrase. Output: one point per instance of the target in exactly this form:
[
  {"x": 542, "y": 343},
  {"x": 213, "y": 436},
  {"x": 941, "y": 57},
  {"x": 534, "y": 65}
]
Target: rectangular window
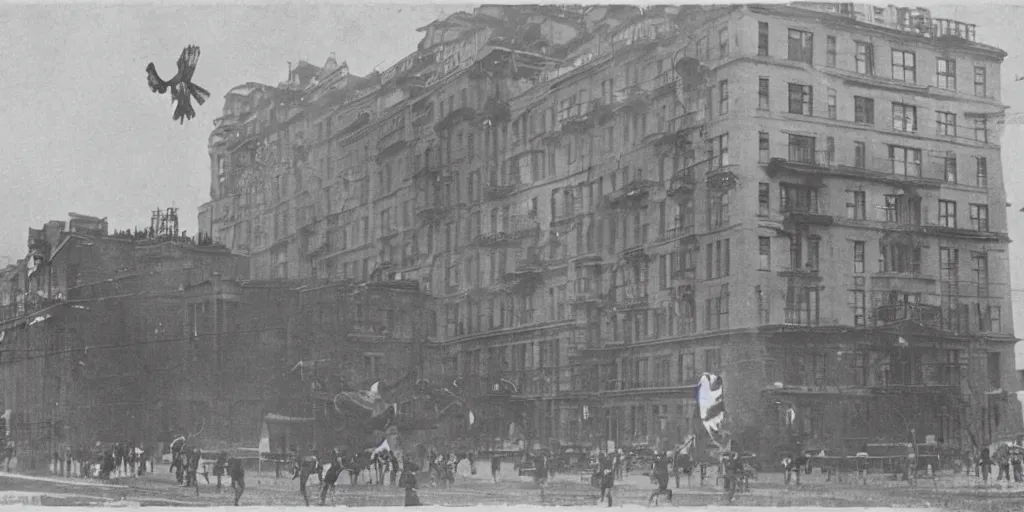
[
  {"x": 945, "y": 124},
  {"x": 979, "y": 217},
  {"x": 947, "y": 213},
  {"x": 857, "y": 304},
  {"x": 858, "y": 257},
  {"x": 863, "y": 110},
  {"x": 830, "y": 51},
  {"x": 980, "y": 81},
  {"x": 801, "y": 46},
  {"x": 723, "y": 97},
  {"x": 904, "y": 66},
  {"x": 801, "y": 99},
  {"x": 831, "y": 103},
  {"x": 995, "y": 320},
  {"x": 663, "y": 271},
  {"x": 813, "y": 253},
  {"x": 945, "y": 73},
  {"x": 762, "y": 94},
  {"x": 904, "y": 117},
  {"x": 865, "y": 58},
  {"x": 905, "y": 161},
  {"x": 949, "y": 264},
  {"x": 802, "y": 305},
  {"x": 764, "y": 253},
  {"x": 981, "y": 129},
  {"x": 720, "y": 151},
  {"x": 762, "y": 38},
  {"x": 860, "y": 155},
  {"x": 801, "y": 149},
  {"x": 980, "y": 261},
  {"x": 723, "y": 42},
  {"x": 857, "y": 209},
  {"x": 949, "y": 168},
  {"x": 763, "y": 199},
  {"x": 982, "y": 171},
  {"x": 763, "y": 151}
]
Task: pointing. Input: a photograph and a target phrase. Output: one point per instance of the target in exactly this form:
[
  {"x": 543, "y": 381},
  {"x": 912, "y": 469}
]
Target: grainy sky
[{"x": 81, "y": 132}]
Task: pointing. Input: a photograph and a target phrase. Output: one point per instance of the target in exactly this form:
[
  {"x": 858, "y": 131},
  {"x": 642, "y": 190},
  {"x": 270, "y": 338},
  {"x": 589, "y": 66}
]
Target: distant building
[
  {"x": 93, "y": 340},
  {"x": 806, "y": 199},
  {"x": 143, "y": 334}
]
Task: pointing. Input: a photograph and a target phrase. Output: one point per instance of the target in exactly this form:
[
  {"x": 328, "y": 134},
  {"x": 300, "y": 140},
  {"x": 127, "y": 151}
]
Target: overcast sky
[{"x": 81, "y": 132}]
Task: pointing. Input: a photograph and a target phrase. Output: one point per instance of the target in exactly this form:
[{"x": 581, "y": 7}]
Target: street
[{"x": 159, "y": 489}]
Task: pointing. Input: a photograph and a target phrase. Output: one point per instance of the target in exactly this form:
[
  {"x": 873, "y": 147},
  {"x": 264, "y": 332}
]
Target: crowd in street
[{"x": 383, "y": 466}]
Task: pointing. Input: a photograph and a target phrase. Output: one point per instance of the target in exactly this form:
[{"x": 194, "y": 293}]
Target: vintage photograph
[{"x": 490, "y": 256}]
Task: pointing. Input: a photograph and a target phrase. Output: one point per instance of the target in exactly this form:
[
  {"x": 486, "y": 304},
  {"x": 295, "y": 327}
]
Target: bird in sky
[{"x": 181, "y": 86}]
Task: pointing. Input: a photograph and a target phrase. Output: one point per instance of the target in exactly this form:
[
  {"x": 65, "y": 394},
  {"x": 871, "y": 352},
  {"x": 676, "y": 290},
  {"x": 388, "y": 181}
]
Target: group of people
[
  {"x": 186, "y": 462},
  {"x": 379, "y": 462},
  {"x": 1009, "y": 459},
  {"x": 103, "y": 461}
]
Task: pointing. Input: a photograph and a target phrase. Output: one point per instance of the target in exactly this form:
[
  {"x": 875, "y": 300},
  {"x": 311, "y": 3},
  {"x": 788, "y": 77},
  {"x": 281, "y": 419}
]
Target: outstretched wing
[
  {"x": 200, "y": 94},
  {"x": 187, "y": 63},
  {"x": 155, "y": 83}
]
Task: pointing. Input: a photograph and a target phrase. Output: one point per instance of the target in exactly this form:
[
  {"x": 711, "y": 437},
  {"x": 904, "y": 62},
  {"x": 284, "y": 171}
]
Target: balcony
[
  {"x": 804, "y": 215},
  {"x": 682, "y": 184},
  {"x": 498, "y": 192},
  {"x": 516, "y": 234},
  {"x": 632, "y": 100},
  {"x": 814, "y": 166},
  {"x": 487, "y": 291},
  {"x": 526, "y": 278},
  {"x": 805, "y": 274},
  {"x": 924, "y": 314},
  {"x": 632, "y": 194},
  {"x": 495, "y": 112},
  {"x": 427, "y": 172},
  {"x": 588, "y": 297},
  {"x": 454, "y": 118},
  {"x": 721, "y": 178},
  {"x": 632, "y": 301},
  {"x": 434, "y": 213},
  {"x": 391, "y": 149},
  {"x": 635, "y": 254},
  {"x": 592, "y": 257},
  {"x": 577, "y": 125},
  {"x": 663, "y": 85}
]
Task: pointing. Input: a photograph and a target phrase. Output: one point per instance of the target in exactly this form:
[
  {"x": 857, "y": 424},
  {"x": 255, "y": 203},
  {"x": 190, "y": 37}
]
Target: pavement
[{"x": 159, "y": 489}]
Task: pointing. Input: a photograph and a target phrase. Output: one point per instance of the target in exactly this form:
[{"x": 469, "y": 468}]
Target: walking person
[
  {"x": 303, "y": 469},
  {"x": 985, "y": 464},
  {"x": 408, "y": 482},
  {"x": 495, "y": 466},
  {"x": 659, "y": 471},
  {"x": 220, "y": 466},
  {"x": 330, "y": 477},
  {"x": 733, "y": 471},
  {"x": 606, "y": 472},
  {"x": 237, "y": 474},
  {"x": 540, "y": 472}
]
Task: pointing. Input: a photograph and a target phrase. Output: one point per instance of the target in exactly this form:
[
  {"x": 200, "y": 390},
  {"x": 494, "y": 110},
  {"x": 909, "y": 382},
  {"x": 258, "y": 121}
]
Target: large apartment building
[{"x": 807, "y": 200}]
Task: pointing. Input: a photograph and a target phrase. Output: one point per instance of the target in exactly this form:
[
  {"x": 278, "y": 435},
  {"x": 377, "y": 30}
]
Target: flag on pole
[
  {"x": 711, "y": 405},
  {"x": 383, "y": 448}
]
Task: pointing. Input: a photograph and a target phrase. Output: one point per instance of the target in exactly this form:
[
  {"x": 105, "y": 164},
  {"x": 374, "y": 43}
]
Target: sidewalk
[{"x": 62, "y": 480}]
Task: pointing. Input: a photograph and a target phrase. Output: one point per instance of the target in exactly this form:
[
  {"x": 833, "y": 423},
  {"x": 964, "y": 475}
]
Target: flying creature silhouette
[{"x": 181, "y": 85}]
